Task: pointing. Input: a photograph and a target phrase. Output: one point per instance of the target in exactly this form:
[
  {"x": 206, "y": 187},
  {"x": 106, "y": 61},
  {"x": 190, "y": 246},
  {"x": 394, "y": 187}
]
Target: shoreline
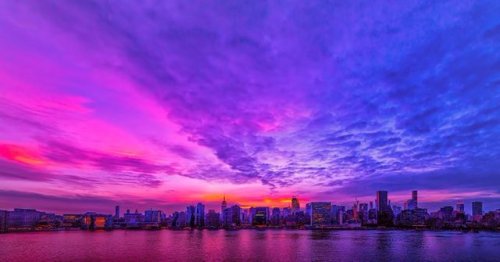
[{"x": 496, "y": 230}]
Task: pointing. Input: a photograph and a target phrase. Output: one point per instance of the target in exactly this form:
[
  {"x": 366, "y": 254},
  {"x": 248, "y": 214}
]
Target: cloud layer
[{"x": 325, "y": 100}]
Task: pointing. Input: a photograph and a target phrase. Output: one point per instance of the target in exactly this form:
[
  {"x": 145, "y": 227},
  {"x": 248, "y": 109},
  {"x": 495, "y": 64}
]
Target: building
[
  {"x": 3, "y": 220},
  {"x": 412, "y": 218},
  {"x": 460, "y": 207},
  {"x": 223, "y": 207},
  {"x": 260, "y": 216},
  {"x": 21, "y": 219},
  {"x": 321, "y": 214},
  {"x": 414, "y": 199},
  {"x": 477, "y": 210},
  {"x": 72, "y": 220},
  {"x": 412, "y": 203},
  {"x": 232, "y": 217},
  {"x": 381, "y": 200},
  {"x": 117, "y": 212},
  {"x": 152, "y": 216},
  {"x": 445, "y": 213},
  {"x": 213, "y": 219},
  {"x": 133, "y": 220},
  {"x": 199, "y": 219},
  {"x": 190, "y": 216},
  {"x": 295, "y": 205},
  {"x": 94, "y": 221},
  {"x": 276, "y": 216}
]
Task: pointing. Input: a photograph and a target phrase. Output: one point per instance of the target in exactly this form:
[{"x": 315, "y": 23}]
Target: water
[{"x": 250, "y": 245}]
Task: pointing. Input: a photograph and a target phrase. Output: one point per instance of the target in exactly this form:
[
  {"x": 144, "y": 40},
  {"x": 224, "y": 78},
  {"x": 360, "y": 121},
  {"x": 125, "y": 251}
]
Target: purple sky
[{"x": 163, "y": 104}]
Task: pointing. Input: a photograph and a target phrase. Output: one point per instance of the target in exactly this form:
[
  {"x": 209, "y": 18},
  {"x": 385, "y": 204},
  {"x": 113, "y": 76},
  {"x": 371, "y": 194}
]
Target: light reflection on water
[{"x": 250, "y": 245}]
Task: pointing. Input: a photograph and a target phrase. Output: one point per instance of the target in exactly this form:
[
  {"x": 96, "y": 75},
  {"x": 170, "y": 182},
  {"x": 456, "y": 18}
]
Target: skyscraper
[
  {"x": 190, "y": 214},
  {"x": 320, "y": 213},
  {"x": 477, "y": 210},
  {"x": 223, "y": 207},
  {"x": 213, "y": 219},
  {"x": 381, "y": 200},
  {"x": 460, "y": 207},
  {"x": 414, "y": 198},
  {"x": 200, "y": 215},
  {"x": 3, "y": 220},
  {"x": 295, "y": 205},
  {"x": 117, "y": 212}
]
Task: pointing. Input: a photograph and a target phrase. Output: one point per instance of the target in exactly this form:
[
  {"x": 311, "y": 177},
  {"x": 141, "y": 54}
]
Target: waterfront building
[
  {"x": 477, "y": 210},
  {"x": 276, "y": 216},
  {"x": 372, "y": 216},
  {"x": 232, "y": 216},
  {"x": 190, "y": 216},
  {"x": 381, "y": 200},
  {"x": 412, "y": 218},
  {"x": 223, "y": 207},
  {"x": 260, "y": 216},
  {"x": 320, "y": 214},
  {"x": 397, "y": 209},
  {"x": 179, "y": 220},
  {"x": 117, "y": 212},
  {"x": 3, "y": 220},
  {"x": 213, "y": 219},
  {"x": 72, "y": 220},
  {"x": 200, "y": 215},
  {"x": 93, "y": 221},
  {"x": 133, "y": 220},
  {"x": 21, "y": 219},
  {"x": 152, "y": 216},
  {"x": 308, "y": 209},
  {"x": 295, "y": 205}
]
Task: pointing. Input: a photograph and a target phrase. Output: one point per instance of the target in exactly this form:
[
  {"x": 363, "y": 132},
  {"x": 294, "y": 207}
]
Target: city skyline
[
  {"x": 378, "y": 214},
  {"x": 293, "y": 203},
  {"x": 162, "y": 105}
]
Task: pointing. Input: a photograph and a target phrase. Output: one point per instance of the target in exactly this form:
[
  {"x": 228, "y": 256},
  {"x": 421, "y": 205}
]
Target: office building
[
  {"x": 223, "y": 207},
  {"x": 321, "y": 214},
  {"x": 295, "y": 205},
  {"x": 213, "y": 219},
  {"x": 260, "y": 216},
  {"x": 200, "y": 215},
  {"x": 381, "y": 200},
  {"x": 152, "y": 216},
  {"x": 133, "y": 220},
  {"x": 23, "y": 218},
  {"x": 276, "y": 216},
  {"x": 477, "y": 210},
  {"x": 460, "y": 207},
  {"x": 117, "y": 212},
  {"x": 3, "y": 220}
]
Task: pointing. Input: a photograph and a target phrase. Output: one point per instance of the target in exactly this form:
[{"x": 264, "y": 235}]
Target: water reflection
[{"x": 250, "y": 245}]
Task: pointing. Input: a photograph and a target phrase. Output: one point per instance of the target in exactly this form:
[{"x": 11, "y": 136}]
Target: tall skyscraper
[
  {"x": 117, "y": 212},
  {"x": 414, "y": 198},
  {"x": 223, "y": 207},
  {"x": 381, "y": 200},
  {"x": 200, "y": 215},
  {"x": 295, "y": 205},
  {"x": 460, "y": 207},
  {"x": 190, "y": 216},
  {"x": 477, "y": 209},
  {"x": 213, "y": 219}
]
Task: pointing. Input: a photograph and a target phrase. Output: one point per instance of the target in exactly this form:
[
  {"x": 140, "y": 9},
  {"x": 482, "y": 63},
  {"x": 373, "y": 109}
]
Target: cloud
[{"x": 314, "y": 93}]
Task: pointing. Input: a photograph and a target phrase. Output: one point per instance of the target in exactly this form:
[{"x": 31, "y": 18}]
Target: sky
[{"x": 161, "y": 104}]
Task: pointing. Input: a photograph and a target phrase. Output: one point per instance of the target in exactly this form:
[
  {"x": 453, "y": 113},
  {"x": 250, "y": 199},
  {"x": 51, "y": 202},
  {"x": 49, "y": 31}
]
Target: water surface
[{"x": 250, "y": 245}]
